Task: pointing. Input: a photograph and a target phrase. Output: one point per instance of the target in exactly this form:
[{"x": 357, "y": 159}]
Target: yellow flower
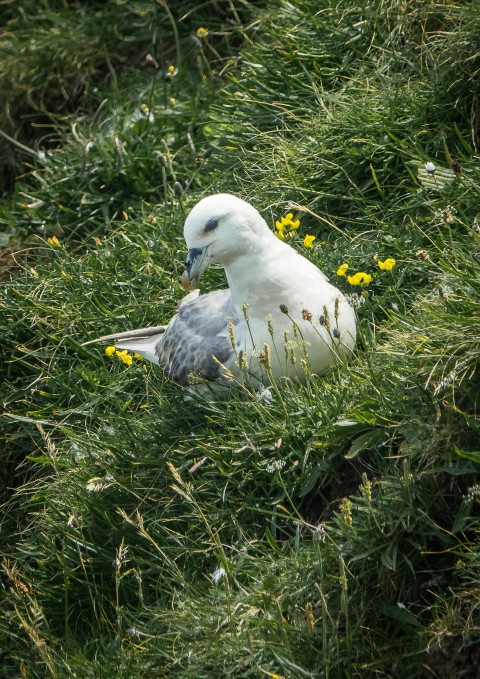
[
  {"x": 308, "y": 241},
  {"x": 110, "y": 351},
  {"x": 387, "y": 265},
  {"x": 342, "y": 269},
  {"x": 309, "y": 616},
  {"x": 287, "y": 223},
  {"x": 54, "y": 242},
  {"x": 172, "y": 101},
  {"x": 290, "y": 222},
  {"x": 171, "y": 69},
  {"x": 280, "y": 234},
  {"x": 346, "y": 510},
  {"x": 359, "y": 278},
  {"x": 125, "y": 356},
  {"x": 202, "y": 32}
]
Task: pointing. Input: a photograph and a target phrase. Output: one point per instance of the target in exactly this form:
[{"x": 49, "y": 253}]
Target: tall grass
[{"x": 330, "y": 531}]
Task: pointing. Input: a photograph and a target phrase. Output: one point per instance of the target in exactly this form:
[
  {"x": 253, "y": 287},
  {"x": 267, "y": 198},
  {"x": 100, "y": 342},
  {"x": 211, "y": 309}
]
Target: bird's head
[{"x": 219, "y": 229}]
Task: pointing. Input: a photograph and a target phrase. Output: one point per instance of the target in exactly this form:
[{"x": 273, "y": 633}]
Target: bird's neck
[{"x": 256, "y": 277}]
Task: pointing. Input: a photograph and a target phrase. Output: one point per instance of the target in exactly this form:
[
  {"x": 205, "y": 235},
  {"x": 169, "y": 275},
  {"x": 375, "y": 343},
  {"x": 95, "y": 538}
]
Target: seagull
[{"x": 279, "y": 317}]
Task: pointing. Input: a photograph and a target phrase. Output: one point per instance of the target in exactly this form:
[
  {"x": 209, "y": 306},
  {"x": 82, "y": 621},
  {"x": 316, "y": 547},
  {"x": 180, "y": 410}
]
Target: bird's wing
[{"x": 197, "y": 339}]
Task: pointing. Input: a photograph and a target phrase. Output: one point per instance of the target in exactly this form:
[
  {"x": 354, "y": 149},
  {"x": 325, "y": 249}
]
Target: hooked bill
[{"x": 187, "y": 282}]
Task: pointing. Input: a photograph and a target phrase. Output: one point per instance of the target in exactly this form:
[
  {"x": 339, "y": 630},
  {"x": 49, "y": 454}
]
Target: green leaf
[
  {"x": 473, "y": 455},
  {"x": 347, "y": 427},
  {"x": 271, "y": 540},
  {"x": 399, "y": 612},
  {"x": 312, "y": 478},
  {"x": 365, "y": 441}
]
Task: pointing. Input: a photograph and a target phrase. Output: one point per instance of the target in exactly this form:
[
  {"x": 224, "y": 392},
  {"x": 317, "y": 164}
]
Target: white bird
[{"x": 279, "y": 316}]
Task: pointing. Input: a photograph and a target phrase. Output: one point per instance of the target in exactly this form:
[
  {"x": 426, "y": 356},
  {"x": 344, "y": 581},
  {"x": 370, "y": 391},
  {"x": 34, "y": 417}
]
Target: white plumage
[{"x": 278, "y": 315}]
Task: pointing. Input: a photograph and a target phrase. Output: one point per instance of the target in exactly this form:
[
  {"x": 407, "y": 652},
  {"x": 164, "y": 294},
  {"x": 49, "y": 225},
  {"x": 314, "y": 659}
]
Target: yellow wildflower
[
  {"x": 342, "y": 269},
  {"x": 309, "y": 616},
  {"x": 171, "y": 69},
  {"x": 286, "y": 227},
  {"x": 202, "y": 32},
  {"x": 359, "y": 278},
  {"x": 288, "y": 222},
  {"x": 172, "y": 101},
  {"x": 308, "y": 241},
  {"x": 124, "y": 356},
  {"x": 110, "y": 350},
  {"x": 346, "y": 510},
  {"x": 387, "y": 265},
  {"x": 53, "y": 241}
]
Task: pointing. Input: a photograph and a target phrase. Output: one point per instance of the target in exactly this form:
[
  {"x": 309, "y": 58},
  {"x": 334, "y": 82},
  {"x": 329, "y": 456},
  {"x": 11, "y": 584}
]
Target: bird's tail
[{"x": 144, "y": 341}]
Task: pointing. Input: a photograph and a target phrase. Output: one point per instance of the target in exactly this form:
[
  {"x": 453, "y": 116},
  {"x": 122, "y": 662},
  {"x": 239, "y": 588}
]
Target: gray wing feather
[
  {"x": 140, "y": 333},
  {"x": 196, "y": 334}
]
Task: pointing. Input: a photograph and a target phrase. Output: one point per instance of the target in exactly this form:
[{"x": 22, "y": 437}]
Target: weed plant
[{"x": 330, "y": 529}]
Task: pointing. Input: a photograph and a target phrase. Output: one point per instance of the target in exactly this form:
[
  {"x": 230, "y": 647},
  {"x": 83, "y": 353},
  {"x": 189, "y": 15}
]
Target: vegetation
[{"x": 332, "y": 530}]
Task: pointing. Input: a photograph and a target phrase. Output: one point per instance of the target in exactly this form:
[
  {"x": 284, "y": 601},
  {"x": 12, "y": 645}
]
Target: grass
[{"x": 329, "y": 532}]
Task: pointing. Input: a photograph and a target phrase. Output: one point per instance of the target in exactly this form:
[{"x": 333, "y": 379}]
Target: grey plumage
[{"x": 196, "y": 336}]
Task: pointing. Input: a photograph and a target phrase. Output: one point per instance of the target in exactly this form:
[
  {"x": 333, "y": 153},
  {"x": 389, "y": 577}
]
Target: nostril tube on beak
[
  {"x": 191, "y": 257},
  {"x": 195, "y": 264}
]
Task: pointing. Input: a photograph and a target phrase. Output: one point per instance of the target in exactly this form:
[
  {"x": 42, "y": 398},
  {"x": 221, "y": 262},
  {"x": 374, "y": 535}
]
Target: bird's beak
[{"x": 196, "y": 263}]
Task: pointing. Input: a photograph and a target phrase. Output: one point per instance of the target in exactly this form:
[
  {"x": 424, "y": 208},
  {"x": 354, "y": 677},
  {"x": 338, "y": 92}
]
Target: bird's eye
[{"x": 211, "y": 224}]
